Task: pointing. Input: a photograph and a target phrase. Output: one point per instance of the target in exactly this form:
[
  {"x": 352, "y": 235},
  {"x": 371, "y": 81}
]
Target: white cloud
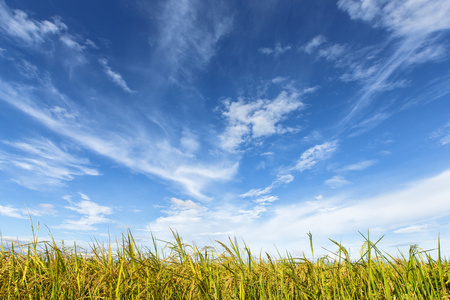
[
  {"x": 359, "y": 72},
  {"x": 370, "y": 122},
  {"x": 332, "y": 52},
  {"x": 42, "y": 36},
  {"x": 275, "y": 51},
  {"x": 261, "y": 118},
  {"x": 413, "y": 25},
  {"x": 12, "y": 212},
  {"x": 266, "y": 199},
  {"x": 178, "y": 204},
  {"x": 257, "y": 192},
  {"x": 418, "y": 202},
  {"x": 92, "y": 214},
  {"x": 279, "y": 79},
  {"x": 84, "y": 196},
  {"x": 315, "y": 154},
  {"x": 188, "y": 33},
  {"x": 313, "y": 137},
  {"x": 189, "y": 142},
  {"x": 114, "y": 76},
  {"x": 267, "y": 153},
  {"x": 36, "y": 163},
  {"x": 180, "y": 214},
  {"x": 280, "y": 181},
  {"x": 18, "y": 25},
  {"x": 124, "y": 140},
  {"x": 313, "y": 44},
  {"x": 43, "y": 209},
  {"x": 336, "y": 181},
  {"x": 442, "y": 135},
  {"x": 27, "y": 69},
  {"x": 412, "y": 229},
  {"x": 362, "y": 165},
  {"x": 90, "y": 43},
  {"x": 433, "y": 52},
  {"x": 193, "y": 220},
  {"x": 403, "y": 18},
  {"x": 70, "y": 42}
]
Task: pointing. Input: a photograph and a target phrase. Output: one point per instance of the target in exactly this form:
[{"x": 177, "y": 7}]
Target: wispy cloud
[
  {"x": 92, "y": 214},
  {"x": 358, "y": 64},
  {"x": 45, "y": 36},
  {"x": 442, "y": 135},
  {"x": 12, "y": 212},
  {"x": 313, "y": 44},
  {"x": 188, "y": 35},
  {"x": 280, "y": 181},
  {"x": 325, "y": 217},
  {"x": 403, "y": 18},
  {"x": 70, "y": 42},
  {"x": 336, "y": 181},
  {"x": 339, "y": 180},
  {"x": 275, "y": 51},
  {"x": 19, "y": 26},
  {"x": 114, "y": 76},
  {"x": 37, "y": 163},
  {"x": 332, "y": 52},
  {"x": 412, "y": 229},
  {"x": 192, "y": 219},
  {"x": 414, "y": 28},
  {"x": 41, "y": 210},
  {"x": 264, "y": 200},
  {"x": 125, "y": 141},
  {"x": 359, "y": 166},
  {"x": 343, "y": 215},
  {"x": 413, "y": 25},
  {"x": 260, "y": 118},
  {"x": 315, "y": 154}
]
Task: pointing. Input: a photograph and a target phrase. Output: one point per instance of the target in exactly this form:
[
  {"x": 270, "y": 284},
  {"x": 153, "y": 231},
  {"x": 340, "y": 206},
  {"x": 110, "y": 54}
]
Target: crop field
[{"x": 44, "y": 270}]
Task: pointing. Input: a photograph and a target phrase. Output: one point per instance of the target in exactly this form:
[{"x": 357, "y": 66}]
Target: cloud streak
[
  {"x": 127, "y": 143},
  {"x": 19, "y": 26},
  {"x": 314, "y": 155},
  {"x": 42, "y": 210},
  {"x": 280, "y": 181},
  {"x": 336, "y": 181},
  {"x": 412, "y": 24},
  {"x": 114, "y": 76},
  {"x": 362, "y": 165},
  {"x": 313, "y": 44},
  {"x": 442, "y": 135},
  {"x": 275, "y": 51},
  {"x": 188, "y": 35},
  {"x": 414, "y": 38},
  {"x": 39, "y": 163}
]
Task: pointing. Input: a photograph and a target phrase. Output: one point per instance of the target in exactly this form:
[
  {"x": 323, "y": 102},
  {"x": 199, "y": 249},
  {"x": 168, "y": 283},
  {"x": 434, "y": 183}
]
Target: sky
[{"x": 261, "y": 120}]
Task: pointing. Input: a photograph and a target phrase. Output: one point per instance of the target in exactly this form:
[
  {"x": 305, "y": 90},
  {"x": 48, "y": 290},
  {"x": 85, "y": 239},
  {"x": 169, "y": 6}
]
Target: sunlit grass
[{"x": 46, "y": 270}]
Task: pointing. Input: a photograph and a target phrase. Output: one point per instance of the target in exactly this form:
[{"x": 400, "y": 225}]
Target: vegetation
[{"x": 44, "y": 270}]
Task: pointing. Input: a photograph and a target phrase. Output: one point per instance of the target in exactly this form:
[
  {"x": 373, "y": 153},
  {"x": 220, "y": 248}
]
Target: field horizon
[{"x": 52, "y": 270}]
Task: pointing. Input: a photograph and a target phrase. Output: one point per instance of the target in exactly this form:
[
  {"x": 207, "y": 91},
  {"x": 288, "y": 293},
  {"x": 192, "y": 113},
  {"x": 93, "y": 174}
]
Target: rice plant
[{"x": 48, "y": 270}]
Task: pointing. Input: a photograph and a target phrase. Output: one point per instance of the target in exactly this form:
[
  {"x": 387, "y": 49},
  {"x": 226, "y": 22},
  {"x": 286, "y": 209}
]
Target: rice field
[{"x": 48, "y": 270}]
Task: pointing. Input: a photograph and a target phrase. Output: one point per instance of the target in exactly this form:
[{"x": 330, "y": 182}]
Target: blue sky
[{"x": 263, "y": 120}]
